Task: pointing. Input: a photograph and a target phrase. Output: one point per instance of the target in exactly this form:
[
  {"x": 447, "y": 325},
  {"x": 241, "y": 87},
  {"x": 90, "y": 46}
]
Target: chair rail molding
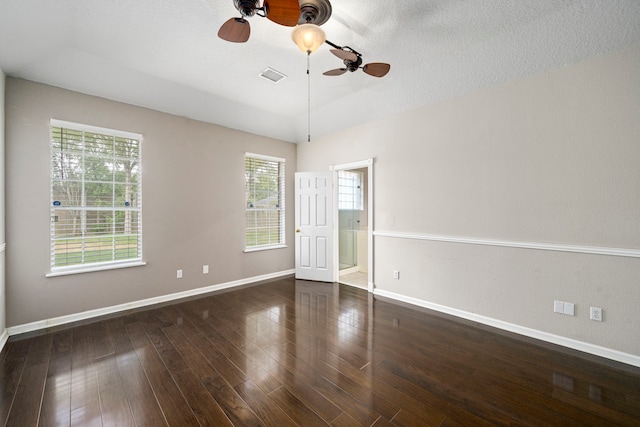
[{"x": 597, "y": 250}]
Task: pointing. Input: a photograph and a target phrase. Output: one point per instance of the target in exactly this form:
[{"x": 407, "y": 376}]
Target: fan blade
[
  {"x": 236, "y": 30},
  {"x": 376, "y": 69},
  {"x": 336, "y": 72},
  {"x": 345, "y": 55},
  {"x": 283, "y": 12}
]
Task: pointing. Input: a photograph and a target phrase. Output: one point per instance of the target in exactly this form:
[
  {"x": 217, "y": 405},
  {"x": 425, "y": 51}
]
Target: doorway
[{"x": 353, "y": 215}]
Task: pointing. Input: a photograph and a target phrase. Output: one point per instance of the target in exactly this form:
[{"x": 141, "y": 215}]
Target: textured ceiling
[{"x": 165, "y": 54}]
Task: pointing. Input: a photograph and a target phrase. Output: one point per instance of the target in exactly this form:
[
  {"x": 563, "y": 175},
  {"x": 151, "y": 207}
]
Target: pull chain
[{"x": 308, "y": 98}]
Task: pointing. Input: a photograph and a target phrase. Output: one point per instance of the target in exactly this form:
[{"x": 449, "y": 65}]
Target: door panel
[
  {"x": 321, "y": 211},
  {"x": 305, "y": 210},
  {"x": 314, "y": 227},
  {"x": 305, "y": 252},
  {"x": 321, "y": 252}
]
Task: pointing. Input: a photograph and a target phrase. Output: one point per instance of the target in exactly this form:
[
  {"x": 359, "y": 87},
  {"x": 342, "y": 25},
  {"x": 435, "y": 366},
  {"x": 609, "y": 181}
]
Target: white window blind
[
  {"x": 96, "y": 197},
  {"x": 350, "y": 192},
  {"x": 264, "y": 201}
]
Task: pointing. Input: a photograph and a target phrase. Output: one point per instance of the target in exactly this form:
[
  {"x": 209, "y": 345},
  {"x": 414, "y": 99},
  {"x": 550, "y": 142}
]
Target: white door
[{"x": 314, "y": 226}]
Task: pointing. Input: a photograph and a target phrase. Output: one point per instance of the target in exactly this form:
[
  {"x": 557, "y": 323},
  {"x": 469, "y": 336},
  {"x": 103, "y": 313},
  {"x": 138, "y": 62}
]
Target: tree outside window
[
  {"x": 95, "y": 196},
  {"x": 264, "y": 201}
]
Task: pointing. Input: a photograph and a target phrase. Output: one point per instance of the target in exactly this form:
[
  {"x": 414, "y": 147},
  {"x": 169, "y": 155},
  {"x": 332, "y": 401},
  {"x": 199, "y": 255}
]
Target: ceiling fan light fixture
[{"x": 308, "y": 37}]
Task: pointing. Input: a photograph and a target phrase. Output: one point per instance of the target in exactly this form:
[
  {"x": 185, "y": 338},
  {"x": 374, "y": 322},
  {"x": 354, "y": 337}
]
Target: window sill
[
  {"x": 264, "y": 248},
  {"x": 65, "y": 271}
]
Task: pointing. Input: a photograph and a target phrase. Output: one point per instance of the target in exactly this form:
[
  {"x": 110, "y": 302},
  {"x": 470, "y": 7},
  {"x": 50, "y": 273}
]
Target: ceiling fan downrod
[
  {"x": 247, "y": 8},
  {"x": 314, "y": 12}
]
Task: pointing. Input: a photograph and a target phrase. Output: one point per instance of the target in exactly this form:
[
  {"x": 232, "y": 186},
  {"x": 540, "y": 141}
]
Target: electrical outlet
[
  {"x": 179, "y": 274},
  {"x": 205, "y": 269},
  {"x": 396, "y": 274},
  {"x": 596, "y": 314}
]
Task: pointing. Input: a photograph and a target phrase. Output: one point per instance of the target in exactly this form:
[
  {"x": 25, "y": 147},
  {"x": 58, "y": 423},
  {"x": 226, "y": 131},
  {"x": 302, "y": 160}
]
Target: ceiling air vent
[{"x": 271, "y": 74}]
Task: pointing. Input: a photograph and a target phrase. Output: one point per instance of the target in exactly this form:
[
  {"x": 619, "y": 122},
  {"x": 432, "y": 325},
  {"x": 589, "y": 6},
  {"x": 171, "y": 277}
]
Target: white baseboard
[
  {"x": 593, "y": 349},
  {"x": 350, "y": 270},
  {"x": 3, "y": 338},
  {"x": 56, "y": 321}
]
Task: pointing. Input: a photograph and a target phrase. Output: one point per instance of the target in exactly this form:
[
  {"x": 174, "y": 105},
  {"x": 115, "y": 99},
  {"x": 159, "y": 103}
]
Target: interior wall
[
  {"x": 2, "y": 208},
  {"x": 551, "y": 159},
  {"x": 193, "y": 205}
]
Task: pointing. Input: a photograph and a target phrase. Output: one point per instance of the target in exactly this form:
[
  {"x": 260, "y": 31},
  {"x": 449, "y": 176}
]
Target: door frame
[{"x": 368, "y": 164}]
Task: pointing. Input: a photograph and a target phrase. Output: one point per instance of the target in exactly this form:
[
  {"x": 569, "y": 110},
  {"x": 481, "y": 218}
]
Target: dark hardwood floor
[{"x": 290, "y": 352}]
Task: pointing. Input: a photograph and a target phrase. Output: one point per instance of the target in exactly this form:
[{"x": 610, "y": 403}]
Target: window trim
[
  {"x": 94, "y": 129},
  {"x": 282, "y": 190},
  {"x": 112, "y": 265},
  {"x": 264, "y": 248},
  {"x": 96, "y": 266}
]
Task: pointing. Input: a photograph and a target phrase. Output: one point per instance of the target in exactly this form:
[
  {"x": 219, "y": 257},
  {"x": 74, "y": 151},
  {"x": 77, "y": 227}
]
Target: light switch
[
  {"x": 558, "y": 307},
  {"x": 568, "y": 308}
]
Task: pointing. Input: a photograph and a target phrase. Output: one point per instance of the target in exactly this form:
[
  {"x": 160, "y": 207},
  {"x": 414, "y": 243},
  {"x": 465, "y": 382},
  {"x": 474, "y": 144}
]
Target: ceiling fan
[
  {"x": 284, "y": 12},
  {"x": 353, "y": 60}
]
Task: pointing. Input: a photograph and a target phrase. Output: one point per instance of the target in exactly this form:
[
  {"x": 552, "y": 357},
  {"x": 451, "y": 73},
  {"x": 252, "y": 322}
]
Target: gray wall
[
  {"x": 551, "y": 158},
  {"x": 2, "y": 216},
  {"x": 193, "y": 205}
]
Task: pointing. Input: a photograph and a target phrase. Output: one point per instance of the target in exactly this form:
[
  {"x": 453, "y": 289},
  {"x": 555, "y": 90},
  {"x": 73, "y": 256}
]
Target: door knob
[{"x": 297, "y": 230}]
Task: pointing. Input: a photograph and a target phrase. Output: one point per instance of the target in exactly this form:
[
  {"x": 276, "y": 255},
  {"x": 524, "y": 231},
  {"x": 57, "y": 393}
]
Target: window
[
  {"x": 264, "y": 201},
  {"x": 350, "y": 194},
  {"x": 95, "y": 198}
]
